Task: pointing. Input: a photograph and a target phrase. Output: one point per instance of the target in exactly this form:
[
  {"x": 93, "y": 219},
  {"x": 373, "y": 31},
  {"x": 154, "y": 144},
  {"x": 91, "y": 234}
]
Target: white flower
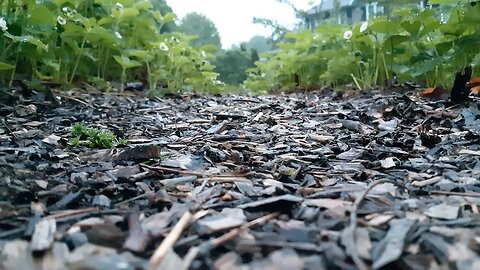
[
  {"x": 363, "y": 27},
  {"x": 348, "y": 34},
  {"x": 203, "y": 53},
  {"x": 68, "y": 11},
  {"x": 117, "y": 34},
  {"x": 3, "y": 24},
  {"x": 119, "y": 6},
  {"x": 163, "y": 47},
  {"x": 61, "y": 20}
]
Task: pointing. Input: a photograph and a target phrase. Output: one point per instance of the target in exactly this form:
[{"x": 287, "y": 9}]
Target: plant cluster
[
  {"x": 98, "y": 40},
  {"x": 428, "y": 45},
  {"x": 93, "y": 137}
]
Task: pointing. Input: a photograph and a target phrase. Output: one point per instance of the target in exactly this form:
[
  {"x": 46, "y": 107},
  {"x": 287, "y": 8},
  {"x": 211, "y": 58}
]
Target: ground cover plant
[
  {"x": 93, "y": 137},
  {"x": 427, "y": 45},
  {"x": 95, "y": 41}
]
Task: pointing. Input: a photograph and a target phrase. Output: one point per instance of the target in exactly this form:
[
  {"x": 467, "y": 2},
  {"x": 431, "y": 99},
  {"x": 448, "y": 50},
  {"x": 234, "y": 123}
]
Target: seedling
[{"x": 93, "y": 137}]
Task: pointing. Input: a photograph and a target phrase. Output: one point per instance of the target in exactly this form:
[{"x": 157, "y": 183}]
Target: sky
[{"x": 233, "y": 18}]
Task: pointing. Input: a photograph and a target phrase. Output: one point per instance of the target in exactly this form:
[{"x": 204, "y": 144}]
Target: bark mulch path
[{"x": 300, "y": 181}]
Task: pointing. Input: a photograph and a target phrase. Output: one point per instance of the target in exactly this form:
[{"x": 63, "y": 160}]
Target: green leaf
[
  {"x": 143, "y": 5},
  {"x": 394, "y": 41},
  {"x": 476, "y": 60},
  {"x": 209, "y": 48},
  {"x": 99, "y": 33},
  {"x": 426, "y": 66},
  {"x": 40, "y": 15},
  {"x": 157, "y": 15},
  {"x": 384, "y": 25},
  {"x": 29, "y": 39},
  {"x": 52, "y": 64},
  {"x": 42, "y": 76},
  {"x": 142, "y": 54},
  {"x": 126, "y": 62},
  {"x": 312, "y": 49},
  {"x": 5, "y": 66},
  {"x": 210, "y": 75},
  {"x": 411, "y": 27},
  {"x": 443, "y": 47},
  {"x": 430, "y": 22},
  {"x": 128, "y": 13},
  {"x": 105, "y": 20},
  {"x": 400, "y": 69},
  {"x": 169, "y": 17}
]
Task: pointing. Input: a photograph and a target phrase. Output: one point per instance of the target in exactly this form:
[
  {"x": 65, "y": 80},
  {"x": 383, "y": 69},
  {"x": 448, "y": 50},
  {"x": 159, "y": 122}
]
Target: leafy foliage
[
  {"x": 95, "y": 40},
  {"x": 164, "y": 8},
  {"x": 94, "y": 138},
  {"x": 414, "y": 44}
]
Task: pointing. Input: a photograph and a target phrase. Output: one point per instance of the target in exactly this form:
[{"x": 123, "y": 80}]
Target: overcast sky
[{"x": 233, "y": 18}]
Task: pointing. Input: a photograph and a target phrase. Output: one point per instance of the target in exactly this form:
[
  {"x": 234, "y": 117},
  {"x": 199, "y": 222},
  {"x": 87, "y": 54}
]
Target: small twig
[
  {"x": 7, "y": 234},
  {"x": 8, "y": 128},
  {"x": 353, "y": 222},
  {"x": 66, "y": 213},
  {"x": 129, "y": 200},
  {"x": 75, "y": 99},
  {"x": 302, "y": 246},
  {"x": 224, "y": 179},
  {"x": 169, "y": 241},
  {"x": 194, "y": 251},
  {"x": 170, "y": 170},
  {"x": 462, "y": 194},
  {"x": 204, "y": 184}
]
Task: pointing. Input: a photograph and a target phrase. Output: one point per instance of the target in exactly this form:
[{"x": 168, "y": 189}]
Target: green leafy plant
[
  {"x": 428, "y": 45},
  {"x": 90, "y": 40},
  {"x": 94, "y": 138}
]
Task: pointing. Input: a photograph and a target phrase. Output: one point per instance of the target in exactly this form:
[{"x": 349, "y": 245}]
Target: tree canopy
[
  {"x": 232, "y": 64},
  {"x": 259, "y": 43},
  {"x": 197, "y": 24}
]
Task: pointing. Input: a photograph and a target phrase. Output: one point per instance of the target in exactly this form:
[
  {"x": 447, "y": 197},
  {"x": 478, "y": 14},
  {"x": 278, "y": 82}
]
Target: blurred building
[{"x": 352, "y": 11}]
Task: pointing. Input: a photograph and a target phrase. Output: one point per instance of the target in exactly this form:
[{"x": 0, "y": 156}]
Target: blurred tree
[
  {"x": 232, "y": 64},
  {"x": 260, "y": 43},
  {"x": 197, "y": 24},
  {"x": 253, "y": 57},
  {"x": 164, "y": 8}
]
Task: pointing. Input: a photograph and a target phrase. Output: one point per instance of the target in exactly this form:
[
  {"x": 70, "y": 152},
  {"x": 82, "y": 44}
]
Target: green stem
[
  {"x": 124, "y": 78},
  {"x": 78, "y": 58},
  {"x": 149, "y": 76},
  {"x": 12, "y": 77},
  {"x": 107, "y": 56}
]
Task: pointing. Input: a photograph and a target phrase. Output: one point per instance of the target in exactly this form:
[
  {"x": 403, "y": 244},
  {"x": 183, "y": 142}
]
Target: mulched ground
[{"x": 300, "y": 181}]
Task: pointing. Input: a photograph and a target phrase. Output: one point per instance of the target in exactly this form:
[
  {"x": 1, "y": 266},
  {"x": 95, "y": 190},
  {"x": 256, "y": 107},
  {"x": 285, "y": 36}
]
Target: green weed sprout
[{"x": 93, "y": 137}]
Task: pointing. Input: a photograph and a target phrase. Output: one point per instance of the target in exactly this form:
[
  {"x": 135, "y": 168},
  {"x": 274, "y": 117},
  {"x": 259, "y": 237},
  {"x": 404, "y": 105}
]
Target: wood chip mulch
[{"x": 299, "y": 181}]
